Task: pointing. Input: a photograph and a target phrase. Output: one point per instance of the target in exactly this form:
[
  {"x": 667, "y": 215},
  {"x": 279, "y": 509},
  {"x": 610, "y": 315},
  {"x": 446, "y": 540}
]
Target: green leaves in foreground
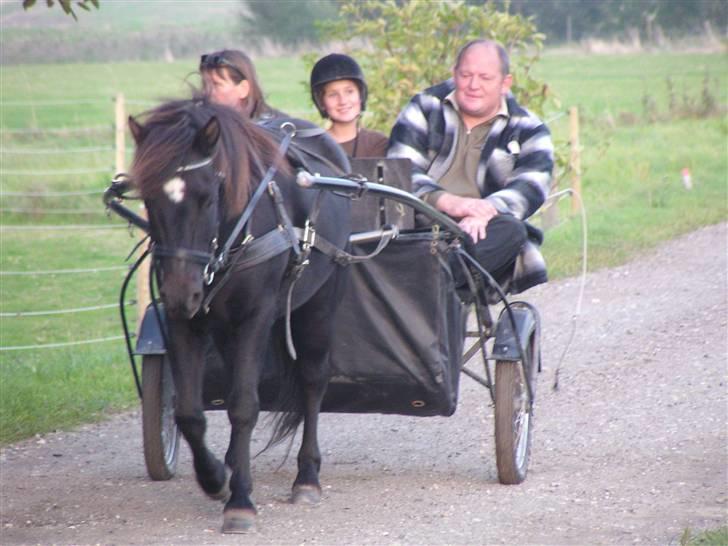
[
  {"x": 409, "y": 46},
  {"x": 66, "y": 5}
]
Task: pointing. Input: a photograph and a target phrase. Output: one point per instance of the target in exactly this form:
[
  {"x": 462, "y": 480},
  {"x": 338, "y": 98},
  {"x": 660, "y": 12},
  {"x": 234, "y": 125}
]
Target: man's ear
[
  {"x": 507, "y": 83},
  {"x": 136, "y": 129},
  {"x": 208, "y": 136}
]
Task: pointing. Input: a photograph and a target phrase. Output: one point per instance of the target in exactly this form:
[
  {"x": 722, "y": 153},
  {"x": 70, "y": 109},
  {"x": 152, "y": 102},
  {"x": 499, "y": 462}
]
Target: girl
[{"x": 339, "y": 91}]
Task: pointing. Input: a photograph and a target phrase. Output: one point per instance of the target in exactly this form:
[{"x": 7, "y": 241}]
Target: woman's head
[
  {"x": 338, "y": 86},
  {"x": 229, "y": 78}
]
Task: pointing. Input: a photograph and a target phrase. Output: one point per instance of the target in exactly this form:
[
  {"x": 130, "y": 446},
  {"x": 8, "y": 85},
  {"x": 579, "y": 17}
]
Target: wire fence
[
  {"x": 20, "y": 314},
  {"x": 53, "y": 154},
  {"x": 116, "y": 145}
]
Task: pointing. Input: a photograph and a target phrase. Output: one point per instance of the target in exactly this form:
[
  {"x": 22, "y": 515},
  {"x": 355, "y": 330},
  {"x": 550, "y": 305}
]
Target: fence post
[
  {"x": 575, "y": 158},
  {"x": 120, "y": 133},
  {"x": 142, "y": 286}
]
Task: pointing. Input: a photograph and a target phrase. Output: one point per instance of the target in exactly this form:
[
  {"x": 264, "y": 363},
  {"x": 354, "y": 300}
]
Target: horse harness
[{"x": 253, "y": 251}]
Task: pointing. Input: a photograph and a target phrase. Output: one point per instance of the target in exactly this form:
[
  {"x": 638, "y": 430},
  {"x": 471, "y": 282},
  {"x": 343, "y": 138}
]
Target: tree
[
  {"x": 578, "y": 19},
  {"x": 411, "y": 45},
  {"x": 66, "y": 5},
  {"x": 288, "y": 24}
]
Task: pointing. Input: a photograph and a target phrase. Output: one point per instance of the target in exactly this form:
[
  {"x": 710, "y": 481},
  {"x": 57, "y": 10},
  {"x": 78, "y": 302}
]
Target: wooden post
[
  {"x": 575, "y": 159},
  {"x": 120, "y": 144},
  {"x": 142, "y": 284}
]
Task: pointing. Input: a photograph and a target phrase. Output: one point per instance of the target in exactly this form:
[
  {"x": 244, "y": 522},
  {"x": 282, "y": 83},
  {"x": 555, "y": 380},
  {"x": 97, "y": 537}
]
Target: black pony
[{"x": 228, "y": 259}]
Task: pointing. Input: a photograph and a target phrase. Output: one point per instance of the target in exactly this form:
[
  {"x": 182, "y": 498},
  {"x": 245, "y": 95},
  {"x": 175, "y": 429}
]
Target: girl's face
[
  {"x": 222, "y": 90},
  {"x": 342, "y": 101}
]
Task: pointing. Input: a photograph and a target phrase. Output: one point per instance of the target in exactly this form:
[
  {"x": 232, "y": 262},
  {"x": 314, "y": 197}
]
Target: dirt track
[{"x": 632, "y": 448}]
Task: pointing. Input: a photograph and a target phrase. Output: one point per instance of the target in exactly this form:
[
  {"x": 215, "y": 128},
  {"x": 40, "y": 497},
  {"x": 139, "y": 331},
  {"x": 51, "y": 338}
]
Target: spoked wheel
[
  {"x": 161, "y": 435},
  {"x": 514, "y": 414}
]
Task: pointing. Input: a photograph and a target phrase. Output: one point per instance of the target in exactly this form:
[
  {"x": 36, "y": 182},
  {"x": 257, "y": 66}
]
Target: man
[{"x": 482, "y": 159}]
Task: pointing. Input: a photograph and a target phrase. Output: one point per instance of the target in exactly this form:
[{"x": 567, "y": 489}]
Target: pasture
[{"x": 56, "y": 135}]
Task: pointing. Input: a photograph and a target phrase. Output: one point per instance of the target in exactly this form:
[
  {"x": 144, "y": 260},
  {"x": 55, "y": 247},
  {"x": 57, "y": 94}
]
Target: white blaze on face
[{"x": 175, "y": 189}]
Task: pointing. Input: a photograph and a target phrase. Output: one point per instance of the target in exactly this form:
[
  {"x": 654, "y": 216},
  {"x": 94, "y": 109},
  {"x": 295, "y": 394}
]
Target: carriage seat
[{"x": 369, "y": 212}]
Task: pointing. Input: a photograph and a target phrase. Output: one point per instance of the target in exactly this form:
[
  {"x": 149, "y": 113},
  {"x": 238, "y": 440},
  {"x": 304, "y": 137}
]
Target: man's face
[{"x": 479, "y": 84}]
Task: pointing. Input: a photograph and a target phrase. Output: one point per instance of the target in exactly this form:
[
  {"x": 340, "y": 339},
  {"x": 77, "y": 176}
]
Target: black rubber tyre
[
  {"x": 514, "y": 415},
  {"x": 161, "y": 434}
]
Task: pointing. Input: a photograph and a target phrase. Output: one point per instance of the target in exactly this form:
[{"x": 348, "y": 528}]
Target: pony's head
[{"x": 193, "y": 168}]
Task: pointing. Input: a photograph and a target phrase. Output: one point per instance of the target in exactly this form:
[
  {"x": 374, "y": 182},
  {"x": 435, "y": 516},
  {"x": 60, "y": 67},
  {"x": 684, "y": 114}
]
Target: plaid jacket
[{"x": 515, "y": 166}]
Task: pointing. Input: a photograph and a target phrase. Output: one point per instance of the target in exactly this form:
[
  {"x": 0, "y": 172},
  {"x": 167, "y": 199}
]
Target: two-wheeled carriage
[{"x": 404, "y": 332}]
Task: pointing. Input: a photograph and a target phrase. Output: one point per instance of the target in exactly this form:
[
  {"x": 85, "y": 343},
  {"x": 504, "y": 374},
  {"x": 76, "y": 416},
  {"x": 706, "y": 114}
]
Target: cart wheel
[
  {"x": 161, "y": 435},
  {"x": 514, "y": 415}
]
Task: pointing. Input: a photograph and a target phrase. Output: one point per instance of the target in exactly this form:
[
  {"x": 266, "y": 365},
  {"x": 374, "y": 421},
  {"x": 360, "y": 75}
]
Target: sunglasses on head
[{"x": 218, "y": 61}]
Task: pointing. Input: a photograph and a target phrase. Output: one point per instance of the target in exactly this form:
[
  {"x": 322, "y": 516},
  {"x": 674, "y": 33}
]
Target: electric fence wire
[
  {"x": 19, "y": 314},
  {"x": 61, "y": 344},
  {"x": 50, "y": 193},
  {"x": 582, "y": 278},
  {"x": 42, "y": 272},
  {"x": 52, "y": 151}
]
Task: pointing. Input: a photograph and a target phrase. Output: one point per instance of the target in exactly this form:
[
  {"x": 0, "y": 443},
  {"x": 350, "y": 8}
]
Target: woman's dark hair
[{"x": 237, "y": 66}]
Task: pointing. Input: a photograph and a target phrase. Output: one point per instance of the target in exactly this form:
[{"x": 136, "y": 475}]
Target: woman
[
  {"x": 339, "y": 91},
  {"x": 228, "y": 78}
]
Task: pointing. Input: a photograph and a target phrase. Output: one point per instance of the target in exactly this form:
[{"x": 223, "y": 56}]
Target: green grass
[
  {"x": 631, "y": 188},
  {"x": 53, "y": 389},
  {"x": 634, "y": 196},
  {"x": 602, "y": 85},
  {"x": 713, "y": 537}
]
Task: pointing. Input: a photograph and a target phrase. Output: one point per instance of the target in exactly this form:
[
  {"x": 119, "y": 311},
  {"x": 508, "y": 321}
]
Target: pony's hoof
[
  {"x": 224, "y": 494},
  {"x": 237, "y": 521},
  {"x": 306, "y": 494}
]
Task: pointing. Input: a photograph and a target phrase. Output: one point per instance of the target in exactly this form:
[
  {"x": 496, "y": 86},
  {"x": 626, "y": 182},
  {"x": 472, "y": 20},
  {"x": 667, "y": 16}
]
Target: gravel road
[{"x": 631, "y": 449}]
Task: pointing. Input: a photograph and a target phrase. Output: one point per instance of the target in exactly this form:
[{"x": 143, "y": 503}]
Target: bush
[{"x": 409, "y": 46}]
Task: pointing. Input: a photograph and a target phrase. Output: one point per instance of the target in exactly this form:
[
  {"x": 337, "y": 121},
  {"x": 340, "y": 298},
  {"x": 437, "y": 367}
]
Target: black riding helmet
[{"x": 332, "y": 68}]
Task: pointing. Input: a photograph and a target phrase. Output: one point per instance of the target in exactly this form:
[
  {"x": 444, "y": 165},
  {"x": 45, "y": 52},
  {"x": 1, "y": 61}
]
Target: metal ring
[
  {"x": 208, "y": 275},
  {"x": 288, "y": 127}
]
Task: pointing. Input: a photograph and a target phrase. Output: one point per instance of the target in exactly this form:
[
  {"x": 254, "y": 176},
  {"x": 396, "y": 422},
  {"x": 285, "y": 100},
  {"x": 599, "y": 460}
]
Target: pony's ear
[
  {"x": 207, "y": 137},
  {"x": 136, "y": 129}
]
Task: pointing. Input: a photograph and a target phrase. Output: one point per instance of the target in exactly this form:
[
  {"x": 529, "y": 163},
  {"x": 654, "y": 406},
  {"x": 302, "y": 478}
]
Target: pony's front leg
[
  {"x": 243, "y": 354},
  {"x": 314, "y": 375},
  {"x": 311, "y": 327},
  {"x": 188, "y": 368}
]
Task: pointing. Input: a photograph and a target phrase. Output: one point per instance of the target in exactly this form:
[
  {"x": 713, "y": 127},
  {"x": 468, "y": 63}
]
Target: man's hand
[
  {"x": 473, "y": 214},
  {"x": 474, "y": 226}
]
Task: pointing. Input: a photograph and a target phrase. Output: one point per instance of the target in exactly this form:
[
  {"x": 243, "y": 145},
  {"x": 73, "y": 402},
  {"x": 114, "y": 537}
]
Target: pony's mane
[{"x": 242, "y": 154}]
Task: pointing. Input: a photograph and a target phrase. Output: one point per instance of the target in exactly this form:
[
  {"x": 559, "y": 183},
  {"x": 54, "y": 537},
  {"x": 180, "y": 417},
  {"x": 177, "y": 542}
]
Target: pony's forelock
[{"x": 242, "y": 152}]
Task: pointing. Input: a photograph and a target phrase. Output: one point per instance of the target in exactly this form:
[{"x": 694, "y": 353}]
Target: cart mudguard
[
  {"x": 505, "y": 346},
  {"x": 151, "y": 339}
]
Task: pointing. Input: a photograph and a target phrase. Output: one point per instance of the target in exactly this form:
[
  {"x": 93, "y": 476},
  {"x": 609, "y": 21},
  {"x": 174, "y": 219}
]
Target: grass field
[{"x": 631, "y": 187}]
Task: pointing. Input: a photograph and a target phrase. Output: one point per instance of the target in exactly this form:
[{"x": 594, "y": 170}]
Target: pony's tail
[{"x": 289, "y": 401}]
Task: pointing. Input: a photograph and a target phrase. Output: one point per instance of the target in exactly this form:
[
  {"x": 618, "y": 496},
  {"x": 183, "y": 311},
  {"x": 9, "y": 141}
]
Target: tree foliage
[
  {"x": 287, "y": 24},
  {"x": 407, "y": 46},
  {"x": 578, "y": 19},
  {"x": 66, "y": 5}
]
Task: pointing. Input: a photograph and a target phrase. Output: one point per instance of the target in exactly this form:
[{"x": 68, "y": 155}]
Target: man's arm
[
  {"x": 410, "y": 139},
  {"x": 528, "y": 184}
]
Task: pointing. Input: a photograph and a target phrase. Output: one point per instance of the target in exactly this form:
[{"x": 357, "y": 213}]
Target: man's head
[{"x": 482, "y": 77}]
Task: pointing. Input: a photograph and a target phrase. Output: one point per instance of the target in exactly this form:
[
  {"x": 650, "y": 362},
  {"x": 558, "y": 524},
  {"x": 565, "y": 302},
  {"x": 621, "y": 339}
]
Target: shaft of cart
[{"x": 360, "y": 187}]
